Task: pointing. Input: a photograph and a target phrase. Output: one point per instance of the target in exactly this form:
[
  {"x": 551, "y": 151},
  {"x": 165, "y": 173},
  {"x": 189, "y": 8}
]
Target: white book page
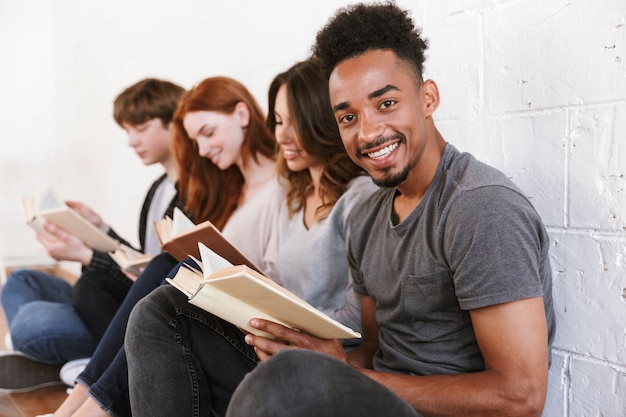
[
  {"x": 47, "y": 200},
  {"x": 211, "y": 261},
  {"x": 180, "y": 223}
]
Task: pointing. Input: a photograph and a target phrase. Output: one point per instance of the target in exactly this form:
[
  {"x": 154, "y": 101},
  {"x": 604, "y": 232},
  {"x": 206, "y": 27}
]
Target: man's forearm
[{"x": 473, "y": 394}]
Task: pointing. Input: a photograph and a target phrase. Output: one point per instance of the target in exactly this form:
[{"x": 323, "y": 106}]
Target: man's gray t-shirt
[{"x": 473, "y": 241}]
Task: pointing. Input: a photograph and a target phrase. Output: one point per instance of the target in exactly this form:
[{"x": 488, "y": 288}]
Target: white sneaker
[
  {"x": 71, "y": 370},
  {"x": 8, "y": 343}
]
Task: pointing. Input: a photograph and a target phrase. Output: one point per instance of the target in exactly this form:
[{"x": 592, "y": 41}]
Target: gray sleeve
[{"x": 492, "y": 241}]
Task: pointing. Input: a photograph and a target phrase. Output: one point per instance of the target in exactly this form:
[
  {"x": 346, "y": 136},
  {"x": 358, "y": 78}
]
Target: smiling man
[{"x": 449, "y": 258}]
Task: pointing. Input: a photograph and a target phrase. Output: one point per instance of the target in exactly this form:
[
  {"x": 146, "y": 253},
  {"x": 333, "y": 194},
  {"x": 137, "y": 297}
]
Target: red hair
[{"x": 208, "y": 192}]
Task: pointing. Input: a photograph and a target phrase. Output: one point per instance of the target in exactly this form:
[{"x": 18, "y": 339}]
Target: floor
[{"x": 29, "y": 404}]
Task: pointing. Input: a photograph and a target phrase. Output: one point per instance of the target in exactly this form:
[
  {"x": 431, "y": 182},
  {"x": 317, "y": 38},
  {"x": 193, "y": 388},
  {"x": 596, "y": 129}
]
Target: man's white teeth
[{"x": 383, "y": 152}]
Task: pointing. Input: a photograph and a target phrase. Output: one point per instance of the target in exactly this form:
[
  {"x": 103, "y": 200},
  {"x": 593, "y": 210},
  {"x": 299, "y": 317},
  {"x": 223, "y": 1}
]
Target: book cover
[{"x": 179, "y": 236}]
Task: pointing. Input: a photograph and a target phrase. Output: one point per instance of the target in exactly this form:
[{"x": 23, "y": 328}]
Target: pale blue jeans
[{"x": 42, "y": 321}]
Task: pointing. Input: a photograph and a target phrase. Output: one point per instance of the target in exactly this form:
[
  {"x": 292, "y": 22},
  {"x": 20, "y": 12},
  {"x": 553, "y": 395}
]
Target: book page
[
  {"x": 47, "y": 200},
  {"x": 180, "y": 223},
  {"x": 39, "y": 201},
  {"x": 187, "y": 280},
  {"x": 131, "y": 260},
  {"x": 211, "y": 261},
  {"x": 27, "y": 208},
  {"x": 163, "y": 230},
  {"x": 37, "y": 223}
]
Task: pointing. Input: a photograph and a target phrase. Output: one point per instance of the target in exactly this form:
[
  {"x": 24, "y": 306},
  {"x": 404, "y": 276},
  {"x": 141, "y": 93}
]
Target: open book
[
  {"x": 179, "y": 236},
  {"x": 45, "y": 206},
  {"x": 131, "y": 260},
  {"x": 238, "y": 293}
]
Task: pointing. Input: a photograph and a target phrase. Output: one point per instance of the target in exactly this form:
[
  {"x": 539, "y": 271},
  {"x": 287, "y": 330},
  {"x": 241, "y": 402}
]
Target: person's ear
[
  {"x": 430, "y": 95},
  {"x": 242, "y": 113}
]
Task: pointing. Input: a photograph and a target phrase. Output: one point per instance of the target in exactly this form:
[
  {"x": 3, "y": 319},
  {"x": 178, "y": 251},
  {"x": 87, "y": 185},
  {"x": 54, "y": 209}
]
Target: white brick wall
[{"x": 536, "y": 88}]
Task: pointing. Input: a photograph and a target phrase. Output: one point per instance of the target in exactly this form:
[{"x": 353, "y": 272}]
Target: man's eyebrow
[
  {"x": 382, "y": 91},
  {"x": 372, "y": 95}
]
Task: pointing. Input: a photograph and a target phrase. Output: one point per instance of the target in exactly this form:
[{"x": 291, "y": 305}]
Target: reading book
[
  {"x": 239, "y": 293},
  {"x": 179, "y": 236},
  {"x": 131, "y": 260},
  {"x": 41, "y": 207}
]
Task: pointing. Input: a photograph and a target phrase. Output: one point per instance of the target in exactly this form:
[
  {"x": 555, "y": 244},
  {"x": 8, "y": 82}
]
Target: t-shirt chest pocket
[{"x": 430, "y": 305}]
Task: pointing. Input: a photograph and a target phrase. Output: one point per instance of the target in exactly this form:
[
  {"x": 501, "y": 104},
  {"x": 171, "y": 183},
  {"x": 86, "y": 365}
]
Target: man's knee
[
  {"x": 275, "y": 381},
  {"x": 152, "y": 310}
]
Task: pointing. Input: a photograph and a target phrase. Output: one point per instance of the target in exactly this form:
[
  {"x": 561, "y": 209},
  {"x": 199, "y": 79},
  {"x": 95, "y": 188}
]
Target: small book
[
  {"x": 179, "y": 236},
  {"x": 131, "y": 260},
  {"x": 40, "y": 207},
  {"x": 238, "y": 293}
]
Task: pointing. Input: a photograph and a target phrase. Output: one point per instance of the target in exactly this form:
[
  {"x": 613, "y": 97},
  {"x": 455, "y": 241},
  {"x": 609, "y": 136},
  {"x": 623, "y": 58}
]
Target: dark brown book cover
[{"x": 185, "y": 244}]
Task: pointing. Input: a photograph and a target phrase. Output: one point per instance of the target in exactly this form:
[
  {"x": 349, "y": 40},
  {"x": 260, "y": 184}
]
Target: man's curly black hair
[{"x": 359, "y": 28}]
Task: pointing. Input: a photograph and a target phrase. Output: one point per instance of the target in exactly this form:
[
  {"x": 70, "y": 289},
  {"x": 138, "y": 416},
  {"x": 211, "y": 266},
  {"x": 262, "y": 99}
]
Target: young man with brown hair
[{"x": 52, "y": 322}]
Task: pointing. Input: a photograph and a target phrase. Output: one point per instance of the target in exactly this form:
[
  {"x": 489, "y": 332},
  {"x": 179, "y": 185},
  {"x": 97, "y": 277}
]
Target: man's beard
[{"x": 390, "y": 180}]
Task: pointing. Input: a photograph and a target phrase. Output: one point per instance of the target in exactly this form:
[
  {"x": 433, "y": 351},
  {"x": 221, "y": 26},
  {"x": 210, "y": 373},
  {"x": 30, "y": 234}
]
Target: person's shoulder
[
  {"x": 276, "y": 186},
  {"x": 371, "y": 197},
  {"x": 153, "y": 187},
  {"x": 159, "y": 179},
  {"x": 471, "y": 173},
  {"x": 358, "y": 189},
  {"x": 478, "y": 190},
  {"x": 361, "y": 185}
]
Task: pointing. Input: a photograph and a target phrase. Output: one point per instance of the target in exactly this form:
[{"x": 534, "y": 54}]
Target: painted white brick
[
  {"x": 589, "y": 282},
  {"x": 450, "y": 10},
  {"x": 598, "y": 168},
  {"x": 468, "y": 135},
  {"x": 531, "y": 150},
  {"x": 558, "y": 53},
  {"x": 456, "y": 67},
  {"x": 597, "y": 389},
  {"x": 558, "y": 382}
]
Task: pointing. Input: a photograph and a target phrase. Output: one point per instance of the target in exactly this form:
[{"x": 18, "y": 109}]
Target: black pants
[{"x": 97, "y": 297}]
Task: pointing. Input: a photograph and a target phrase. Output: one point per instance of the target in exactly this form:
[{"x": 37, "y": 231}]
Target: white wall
[{"x": 534, "y": 87}]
